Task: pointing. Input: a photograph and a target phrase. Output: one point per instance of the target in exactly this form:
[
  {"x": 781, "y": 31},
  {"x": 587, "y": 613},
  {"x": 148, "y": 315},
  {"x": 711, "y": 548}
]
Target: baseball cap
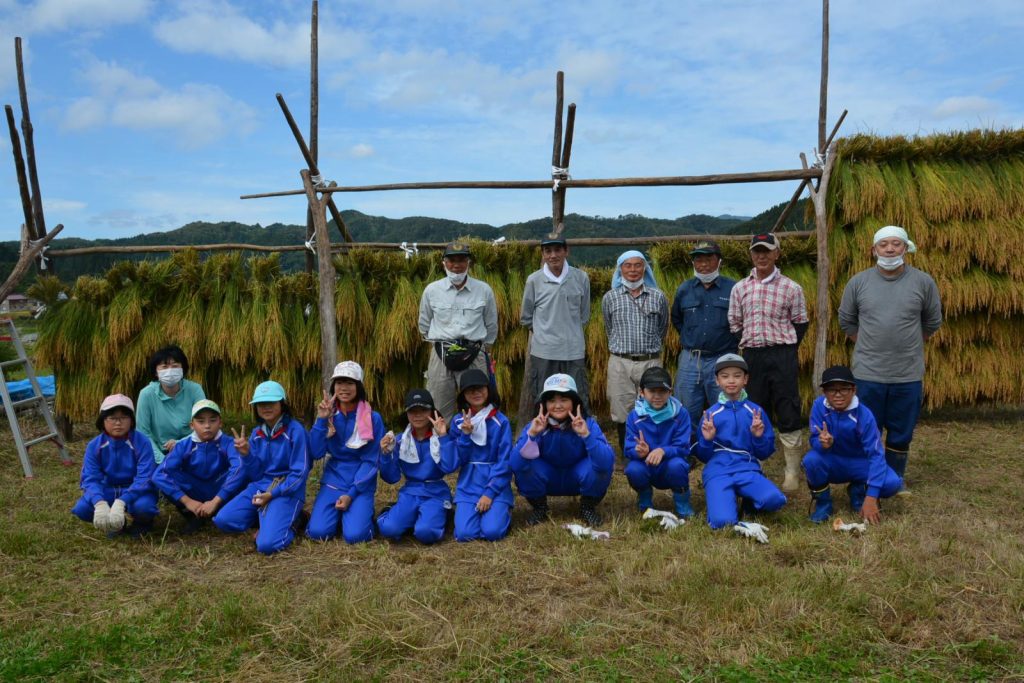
[
  {"x": 348, "y": 369},
  {"x": 268, "y": 392},
  {"x": 473, "y": 378},
  {"x": 419, "y": 398},
  {"x": 767, "y": 240},
  {"x": 456, "y": 249},
  {"x": 117, "y": 401},
  {"x": 706, "y": 247},
  {"x": 204, "y": 404},
  {"x": 552, "y": 239},
  {"x": 655, "y": 378},
  {"x": 730, "y": 360},
  {"x": 837, "y": 374},
  {"x": 559, "y": 383}
]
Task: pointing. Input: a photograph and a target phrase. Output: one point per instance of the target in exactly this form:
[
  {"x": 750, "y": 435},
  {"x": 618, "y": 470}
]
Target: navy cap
[
  {"x": 553, "y": 239},
  {"x": 837, "y": 373},
  {"x": 473, "y": 378},
  {"x": 655, "y": 378},
  {"x": 456, "y": 249},
  {"x": 706, "y": 247},
  {"x": 419, "y": 398}
]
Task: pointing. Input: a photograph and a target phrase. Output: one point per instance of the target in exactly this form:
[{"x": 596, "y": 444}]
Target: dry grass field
[{"x": 935, "y": 593}]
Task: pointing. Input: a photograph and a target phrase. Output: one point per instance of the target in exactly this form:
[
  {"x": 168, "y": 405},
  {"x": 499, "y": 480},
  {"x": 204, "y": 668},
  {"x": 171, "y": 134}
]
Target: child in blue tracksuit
[
  {"x": 117, "y": 472},
  {"x": 350, "y": 431},
  {"x": 658, "y": 443},
  {"x": 562, "y": 452},
  {"x": 194, "y": 473},
  {"x": 735, "y": 436},
  {"x": 424, "y": 454},
  {"x": 483, "y": 445},
  {"x": 846, "y": 446},
  {"x": 275, "y": 464}
]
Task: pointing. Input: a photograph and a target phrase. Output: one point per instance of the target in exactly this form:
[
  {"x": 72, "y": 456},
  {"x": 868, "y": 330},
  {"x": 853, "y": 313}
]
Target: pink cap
[{"x": 117, "y": 401}]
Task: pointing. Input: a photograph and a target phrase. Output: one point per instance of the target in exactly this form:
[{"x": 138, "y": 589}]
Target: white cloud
[
  {"x": 57, "y": 205},
  {"x": 960, "y": 107},
  {"x": 223, "y": 30},
  {"x": 198, "y": 113},
  {"x": 56, "y": 15},
  {"x": 361, "y": 150}
]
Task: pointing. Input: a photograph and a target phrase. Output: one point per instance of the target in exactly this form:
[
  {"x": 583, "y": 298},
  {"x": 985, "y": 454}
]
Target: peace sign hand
[
  {"x": 323, "y": 409},
  {"x": 707, "y": 428},
  {"x": 579, "y": 425},
  {"x": 642, "y": 448},
  {"x": 467, "y": 422},
  {"x": 241, "y": 442},
  {"x": 539, "y": 423},
  {"x": 757, "y": 425},
  {"x": 439, "y": 424},
  {"x": 825, "y": 437}
]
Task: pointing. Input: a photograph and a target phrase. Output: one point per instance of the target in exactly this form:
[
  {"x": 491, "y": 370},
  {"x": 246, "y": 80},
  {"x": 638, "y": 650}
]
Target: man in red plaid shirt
[{"x": 769, "y": 312}]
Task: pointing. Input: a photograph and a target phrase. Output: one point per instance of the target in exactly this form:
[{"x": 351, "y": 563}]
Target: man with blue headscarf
[
  {"x": 636, "y": 318},
  {"x": 889, "y": 311}
]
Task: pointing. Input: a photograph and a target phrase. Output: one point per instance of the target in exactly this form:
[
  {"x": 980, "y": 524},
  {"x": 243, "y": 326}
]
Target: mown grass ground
[{"x": 935, "y": 593}]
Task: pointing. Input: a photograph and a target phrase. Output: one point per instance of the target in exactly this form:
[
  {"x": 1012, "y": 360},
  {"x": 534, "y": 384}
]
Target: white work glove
[
  {"x": 580, "y": 531},
  {"x": 666, "y": 520},
  {"x": 115, "y": 521},
  {"x": 852, "y": 528},
  {"x": 100, "y": 515},
  {"x": 758, "y": 532}
]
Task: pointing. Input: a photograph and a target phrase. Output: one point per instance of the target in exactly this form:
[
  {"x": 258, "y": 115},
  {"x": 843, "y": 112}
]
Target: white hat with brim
[{"x": 347, "y": 369}]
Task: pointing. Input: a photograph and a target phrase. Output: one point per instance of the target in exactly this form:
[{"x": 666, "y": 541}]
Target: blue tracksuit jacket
[
  {"x": 125, "y": 464},
  {"x": 352, "y": 472},
  {"x": 734, "y": 448},
  {"x": 856, "y": 437},
  {"x": 200, "y": 467},
  {"x": 425, "y": 478},
  {"x": 484, "y": 470},
  {"x": 282, "y": 454}
]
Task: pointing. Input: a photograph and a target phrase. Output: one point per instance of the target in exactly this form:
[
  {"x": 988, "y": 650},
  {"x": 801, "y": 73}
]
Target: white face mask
[
  {"x": 632, "y": 285},
  {"x": 456, "y": 278},
  {"x": 890, "y": 262},
  {"x": 170, "y": 376},
  {"x": 706, "y": 278}
]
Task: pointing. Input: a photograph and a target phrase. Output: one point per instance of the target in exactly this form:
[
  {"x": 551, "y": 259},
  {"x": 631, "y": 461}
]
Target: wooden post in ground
[
  {"x": 314, "y": 117},
  {"x": 19, "y": 169},
  {"x": 30, "y": 251},
  {"x": 823, "y": 94},
  {"x": 328, "y": 283},
  {"x": 30, "y": 145},
  {"x": 781, "y": 221},
  {"x": 823, "y": 304}
]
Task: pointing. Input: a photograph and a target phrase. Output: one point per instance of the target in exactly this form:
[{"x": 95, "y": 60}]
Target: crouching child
[
  {"x": 117, "y": 472},
  {"x": 846, "y": 448}
]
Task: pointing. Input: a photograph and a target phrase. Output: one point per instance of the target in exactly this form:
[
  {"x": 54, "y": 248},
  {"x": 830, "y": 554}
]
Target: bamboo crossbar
[
  {"x": 717, "y": 179},
  {"x": 234, "y": 246}
]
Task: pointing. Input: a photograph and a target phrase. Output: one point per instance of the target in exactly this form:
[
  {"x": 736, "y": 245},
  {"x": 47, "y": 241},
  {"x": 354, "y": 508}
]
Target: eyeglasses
[
  {"x": 841, "y": 391},
  {"x": 118, "y": 418}
]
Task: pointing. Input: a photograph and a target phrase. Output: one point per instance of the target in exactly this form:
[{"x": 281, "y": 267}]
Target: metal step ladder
[{"x": 37, "y": 399}]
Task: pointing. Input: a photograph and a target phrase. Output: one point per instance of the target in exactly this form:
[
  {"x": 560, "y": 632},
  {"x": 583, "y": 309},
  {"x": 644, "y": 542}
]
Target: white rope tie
[
  {"x": 317, "y": 180},
  {"x": 499, "y": 240},
  {"x": 409, "y": 251},
  {"x": 819, "y": 158},
  {"x": 311, "y": 243},
  {"x": 558, "y": 174},
  {"x": 42, "y": 253}
]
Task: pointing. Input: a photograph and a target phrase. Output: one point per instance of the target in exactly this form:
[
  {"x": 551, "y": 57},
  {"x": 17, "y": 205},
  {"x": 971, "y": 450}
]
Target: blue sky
[{"x": 149, "y": 115}]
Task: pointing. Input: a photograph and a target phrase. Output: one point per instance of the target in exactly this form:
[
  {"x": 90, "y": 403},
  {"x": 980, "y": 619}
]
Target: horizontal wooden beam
[
  {"x": 661, "y": 181},
  {"x": 581, "y": 242}
]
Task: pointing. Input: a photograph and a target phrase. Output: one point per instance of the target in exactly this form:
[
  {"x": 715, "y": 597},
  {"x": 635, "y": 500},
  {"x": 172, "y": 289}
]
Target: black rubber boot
[
  {"x": 540, "y": 511},
  {"x": 620, "y": 429},
  {"x": 588, "y": 511}
]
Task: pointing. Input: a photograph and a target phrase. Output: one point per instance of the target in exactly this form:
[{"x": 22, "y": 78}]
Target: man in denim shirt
[{"x": 700, "y": 315}]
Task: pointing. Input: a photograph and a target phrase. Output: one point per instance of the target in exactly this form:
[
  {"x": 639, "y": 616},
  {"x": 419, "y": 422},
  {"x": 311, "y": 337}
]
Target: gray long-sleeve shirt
[
  {"x": 557, "y": 314},
  {"x": 890, "y": 316},
  {"x": 450, "y": 313}
]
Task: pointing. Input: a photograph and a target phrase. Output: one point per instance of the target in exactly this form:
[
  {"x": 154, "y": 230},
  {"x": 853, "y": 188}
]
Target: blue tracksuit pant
[
  {"x": 543, "y": 479},
  {"x": 425, "y": 515},
  {"x": 832, "y": 469},
  {"x": 721, "y": 492},
  {"x": 275, "y": 519},
  {"x": 199, "y": 489},
  {"x": 492, "y": 525},
  {"x": 670, "y": 473},
  {"x": 356, "y": 522},
  {"x": 144, "y": 505}
]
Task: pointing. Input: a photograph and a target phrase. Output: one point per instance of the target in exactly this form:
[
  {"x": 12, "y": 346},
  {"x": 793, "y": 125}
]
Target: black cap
[
  {"x": 419, "y": 398},
  {"x": 552, "y": 240},
  {"x": 766, "y": 240},
  {"x": 837, "y": 373},
  {"x": 706, "y": 247},
  {"x": 456, "y": 249},
  {"x": 655, "y": 378},
  {"x": 473, "y": 378}
]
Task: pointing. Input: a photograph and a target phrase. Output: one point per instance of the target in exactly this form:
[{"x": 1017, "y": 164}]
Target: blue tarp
[{"x": 22, "y": 389}]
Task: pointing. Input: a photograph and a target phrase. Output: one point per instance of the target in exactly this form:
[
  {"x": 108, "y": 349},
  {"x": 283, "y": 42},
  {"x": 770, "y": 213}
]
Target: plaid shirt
[
  {"x": 635, "y": 325},
  {"x": 765, "y": 310}
]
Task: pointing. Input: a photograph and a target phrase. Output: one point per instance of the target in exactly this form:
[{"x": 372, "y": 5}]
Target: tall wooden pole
[
  {"x": 823, "y": 95},
  {"x": 314, "y": 116},
  {"x": 556, "y": 153},
  {"x": 781, "y": 220},
  {"x": 327, "y": 280},
  {"x": 30, "y": 145},
  {"x": 823, "y": 303},
  {"x": 19, "y": 169}
]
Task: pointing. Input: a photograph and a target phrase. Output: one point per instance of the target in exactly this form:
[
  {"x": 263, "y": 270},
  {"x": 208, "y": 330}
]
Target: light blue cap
[{"x": 267, "y": 392}]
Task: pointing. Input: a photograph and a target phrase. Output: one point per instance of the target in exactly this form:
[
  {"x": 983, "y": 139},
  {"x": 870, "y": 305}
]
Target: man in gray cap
[
  {"x": 556, "y": 307},
  {"x": 700, "y": 313},
  {"x": 459, "y": 317}
]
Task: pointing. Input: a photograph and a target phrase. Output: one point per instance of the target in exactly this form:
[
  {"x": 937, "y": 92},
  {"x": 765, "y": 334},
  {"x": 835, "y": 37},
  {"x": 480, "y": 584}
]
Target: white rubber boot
[{"x": 793, "y": 452}]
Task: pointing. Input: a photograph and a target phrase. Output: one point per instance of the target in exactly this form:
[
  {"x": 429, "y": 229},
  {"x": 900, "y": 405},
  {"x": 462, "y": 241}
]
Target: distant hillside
[
  {"x": 799, "y": 219},
  {"x": 366, "y": 228}
]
